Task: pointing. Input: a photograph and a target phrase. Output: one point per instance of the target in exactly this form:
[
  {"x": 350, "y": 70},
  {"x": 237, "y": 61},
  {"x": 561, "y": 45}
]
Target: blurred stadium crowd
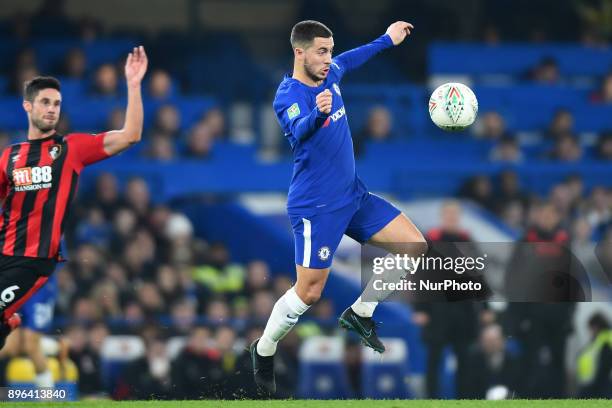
[{"x": 137, "y": 268}]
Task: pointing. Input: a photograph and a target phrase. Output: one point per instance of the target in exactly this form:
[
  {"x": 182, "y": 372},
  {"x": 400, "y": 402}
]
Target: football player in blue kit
[
  {"x": 327, "y": 199},
  {"x": 36, "y": 319}
]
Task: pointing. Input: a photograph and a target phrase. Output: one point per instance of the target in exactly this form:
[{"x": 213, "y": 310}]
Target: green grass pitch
[{"x": 323, "y": 404}]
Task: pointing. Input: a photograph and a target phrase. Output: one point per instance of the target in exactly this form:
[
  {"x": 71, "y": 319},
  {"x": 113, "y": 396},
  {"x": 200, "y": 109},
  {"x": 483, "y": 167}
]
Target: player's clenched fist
[{"x": 324, "y": 102}]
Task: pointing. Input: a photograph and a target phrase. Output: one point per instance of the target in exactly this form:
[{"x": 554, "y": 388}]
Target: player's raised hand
[
  {"x": 398, "y": 31},
  {"x": 324, "y": 102},
  {"x": 136, "y": 66}
]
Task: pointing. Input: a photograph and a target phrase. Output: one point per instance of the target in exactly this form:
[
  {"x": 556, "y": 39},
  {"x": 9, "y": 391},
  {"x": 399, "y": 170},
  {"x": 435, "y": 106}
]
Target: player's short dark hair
[
  {"x": 32, "y": 87},
  {"x": 304, "y": 32}
]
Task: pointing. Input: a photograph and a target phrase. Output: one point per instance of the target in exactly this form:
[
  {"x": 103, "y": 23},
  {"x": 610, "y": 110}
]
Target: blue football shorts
[{"x": 317, "y": 237}]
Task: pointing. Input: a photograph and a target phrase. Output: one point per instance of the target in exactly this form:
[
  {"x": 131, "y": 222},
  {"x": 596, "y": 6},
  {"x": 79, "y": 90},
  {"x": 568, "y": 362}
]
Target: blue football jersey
[{"x": 324, "y": 176}]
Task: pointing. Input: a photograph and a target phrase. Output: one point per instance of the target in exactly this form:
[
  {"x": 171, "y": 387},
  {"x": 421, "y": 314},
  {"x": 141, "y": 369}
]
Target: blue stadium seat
[
  {"x": 91, "y": 114},
  {"x": 593, "y": 118},
  {"x": 192, "y": 109},
  {"x": 405, "y": 102},
  {"x": 108, "y": 50},
  {"x": 232, "y": 152},
  {"x": 50, "y": 54},
  {"x": 379, "y": 70},
  {"x": 515, "y": 59},
  {"x": 73, "y": 90},
  {"x": 384, "y": 376},
  {"x": 204, "y": 71},
  {"x": 525, "y": 107},
  {"x": 532, "y": 107},
  {"x": 13, "y": 116},
  {"x": 532, "y": 95},
  {"x": 116, "y": 353},
  {"x": 322, "y": 371},
  {"x": 446, "y": 377},
  {"x": 435, "y": 149}
]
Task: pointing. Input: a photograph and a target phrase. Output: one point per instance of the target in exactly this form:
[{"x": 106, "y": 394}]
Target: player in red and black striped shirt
[{"x": 38, "y": 181}]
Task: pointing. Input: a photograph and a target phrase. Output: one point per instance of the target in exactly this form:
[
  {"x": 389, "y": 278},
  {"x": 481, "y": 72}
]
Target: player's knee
[
  {"x": 31, "y": 344},
  {"x": 311, "y": 293},
  {"x": 29, "y": 348},
  {"x": 422, "y": 246},
  {"x": 415, "y": 245},
  {"x": 310, "y": 284},
  {"x": 312, "y": 296}
]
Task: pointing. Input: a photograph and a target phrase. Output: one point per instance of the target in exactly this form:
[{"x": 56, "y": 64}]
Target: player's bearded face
[
  {"x": 318, "y": 57},
  {"x": 45, "y": 110}
]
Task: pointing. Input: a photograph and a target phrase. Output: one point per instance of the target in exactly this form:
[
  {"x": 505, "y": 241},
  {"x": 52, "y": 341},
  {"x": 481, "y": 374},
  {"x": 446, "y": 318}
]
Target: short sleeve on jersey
[{"x": 89, "y": 149}]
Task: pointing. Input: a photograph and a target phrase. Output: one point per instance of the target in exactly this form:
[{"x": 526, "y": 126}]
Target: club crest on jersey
[
  {"x": 336, "y": 88},
  {"x": 55, "y": 151},
  {"x": 324, "y": 253}
]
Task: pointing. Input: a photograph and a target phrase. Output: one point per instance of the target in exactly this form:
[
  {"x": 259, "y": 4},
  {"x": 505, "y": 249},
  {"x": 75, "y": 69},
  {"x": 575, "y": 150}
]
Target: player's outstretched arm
[
  {"x": 117, "y": 141},
  {"x": 395, "y": 35},
  {"x": 398, "y": 31}
]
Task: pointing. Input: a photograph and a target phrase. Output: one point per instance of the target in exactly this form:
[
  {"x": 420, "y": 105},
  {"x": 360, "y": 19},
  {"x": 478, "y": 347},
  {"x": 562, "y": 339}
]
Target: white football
[{"x": 453, "y": 106}]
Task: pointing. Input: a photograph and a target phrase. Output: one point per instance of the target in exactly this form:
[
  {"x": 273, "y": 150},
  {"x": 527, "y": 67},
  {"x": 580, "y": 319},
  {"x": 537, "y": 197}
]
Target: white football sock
[
  {"x": 284, "y": 316},
  {"x": 364, "y": 309},
  {"x": 44, "y": 380},
  {"x": 373, "y": 296}
]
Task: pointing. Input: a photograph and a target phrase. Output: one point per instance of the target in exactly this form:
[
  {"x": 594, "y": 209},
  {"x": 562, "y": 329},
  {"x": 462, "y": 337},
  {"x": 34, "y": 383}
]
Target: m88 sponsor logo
[{"x": 32, "y": 178}]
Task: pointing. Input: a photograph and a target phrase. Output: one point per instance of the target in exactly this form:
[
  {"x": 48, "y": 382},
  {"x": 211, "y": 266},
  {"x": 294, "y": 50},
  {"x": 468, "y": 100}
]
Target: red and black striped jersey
[{"x": 38, "y": 181}]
